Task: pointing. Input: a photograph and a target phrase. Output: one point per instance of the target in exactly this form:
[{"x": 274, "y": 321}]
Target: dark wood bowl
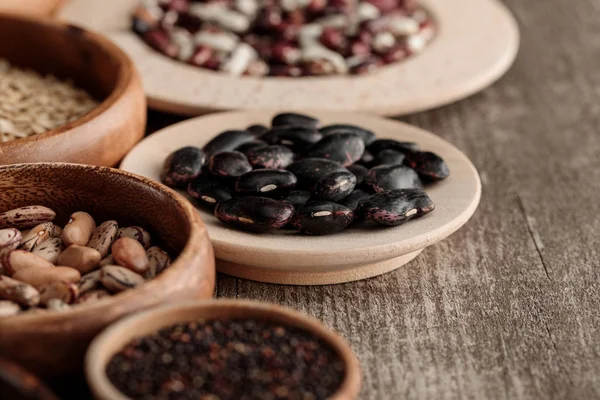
[
  {"x": 17, "y": 383},
  {"x": 114, "y": 338},
  {"x": 105, "y": 134},
  {"x": 55, "y": 343}
]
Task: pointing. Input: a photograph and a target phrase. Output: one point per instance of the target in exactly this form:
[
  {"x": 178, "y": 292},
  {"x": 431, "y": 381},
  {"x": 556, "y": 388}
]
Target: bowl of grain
[
  {"x": 66, "y": 95},
  {"x": 52, "y": 341}
]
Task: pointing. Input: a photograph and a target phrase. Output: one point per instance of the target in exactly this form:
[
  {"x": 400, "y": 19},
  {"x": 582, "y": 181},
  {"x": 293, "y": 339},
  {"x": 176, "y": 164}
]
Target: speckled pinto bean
[
  {"x": 137, "y": 233},
  {"x": 79, "y": 229},
  {"x": 158, "y": 261},
  {"x": 129, "y": 253},
  {"x": 10, "y": 239},
  {"x": 26, "y": 217},
  {"x": 8, "y": 308},
  {"x": 89, "y": 282},
  {"x": 38, "y": 234},
  {"x": 17, "y": 260},
  {"x": 20, "y": 292},
  {"x": 93, "y": 296},
  {"x": 104, "y": 235},
  {"x": 38, "y": 276},
  {"x": 82, "y": 258},
  {"x": 116, "y": 278},
  {"x": 49, "y": 249},
  {"x": 66, "y": 292}
]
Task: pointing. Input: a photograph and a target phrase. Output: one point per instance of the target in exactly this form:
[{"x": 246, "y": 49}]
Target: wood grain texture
[{"x": 507, "y": 308}]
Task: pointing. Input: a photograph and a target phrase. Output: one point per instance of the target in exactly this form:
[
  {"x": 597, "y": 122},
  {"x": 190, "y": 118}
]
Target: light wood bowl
[
  {"x": 100, "y": 137},
  {"x": 54, "y": 343},
  {"x": 17, "y": 383},
  {"x": 114, "y": 338},
  {"x": 356, "y": 253},
  {"x": 30, "y": 7},
  {"x": 476, "y": 44}
]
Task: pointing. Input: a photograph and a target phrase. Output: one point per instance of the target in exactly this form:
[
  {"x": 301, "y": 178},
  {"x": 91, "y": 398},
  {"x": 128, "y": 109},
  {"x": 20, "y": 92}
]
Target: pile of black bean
[{"x": 301, "y": 175}]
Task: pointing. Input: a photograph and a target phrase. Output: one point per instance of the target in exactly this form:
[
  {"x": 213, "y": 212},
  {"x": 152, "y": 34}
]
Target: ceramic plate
[
  {"x": 477, "y": 42},
  {"x": 355, "y": 253}
]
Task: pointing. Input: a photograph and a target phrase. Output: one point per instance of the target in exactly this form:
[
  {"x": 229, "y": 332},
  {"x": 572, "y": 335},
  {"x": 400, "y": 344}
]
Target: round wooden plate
[
  {"x": 477, "y": 42},
  {"x": 357, "y": 253}
]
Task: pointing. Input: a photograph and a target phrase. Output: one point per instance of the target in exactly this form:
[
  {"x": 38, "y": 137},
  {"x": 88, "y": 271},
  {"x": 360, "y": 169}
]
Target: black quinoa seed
[{"x": 230, "y": 359}]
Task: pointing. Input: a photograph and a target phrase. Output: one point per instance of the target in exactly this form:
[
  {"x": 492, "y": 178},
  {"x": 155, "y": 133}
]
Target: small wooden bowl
[
  {"x": 30, "y": 7},
  {"x": 118, "y": 335},
  {"x": 18, "y": 384},
  {"x": 54, "y": 343},
  {"x": 100, "y": 137}
]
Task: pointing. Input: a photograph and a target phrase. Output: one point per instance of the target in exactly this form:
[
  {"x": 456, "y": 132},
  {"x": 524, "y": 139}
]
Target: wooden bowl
[
  {"x": 30, "y": 7},
  {"x": 100, "y": 137},
  {"x": 355, "y": 253},
  {"x": 476, "y": 44},
  {"x": 54, "y": 343},
  {"x": 114, "y": 338},
  {"x": 18, "y": 384}
]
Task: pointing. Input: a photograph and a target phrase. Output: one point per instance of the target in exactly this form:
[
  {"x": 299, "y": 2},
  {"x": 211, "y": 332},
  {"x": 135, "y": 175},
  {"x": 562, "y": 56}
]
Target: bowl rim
[
  {"x": 197, "y": 235},
  {"x": 103, "y": 388},
  {"x": 125, "y": 76}
]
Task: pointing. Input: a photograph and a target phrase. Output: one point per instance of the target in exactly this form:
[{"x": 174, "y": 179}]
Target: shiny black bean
[
  {"x": 366, "y": 135},
  {"x": 319, "y": 217},
  {"x": 255, "y": 214},
  {"x": 297, "y": 198},
  {"x": 244, "y": 148},
  {"x": 228, "y": 164},
  {"x": 297, "y": 138},
  {"x": 354, "y": 199},
  {"x": 208, "y": 191},
  {"x": 389, "y": 157},
  {"x": 335, "y": 186},
  {"x": 429, "y": 166},
  {"x": 257, "y": 129},
  {"x": 310, "y": 170},
  {"x": 366, "y": 159},
  {"x": 390, "y": 177},
  {"x": 182, "y": 166},
  {"x": 265, "y": 182},
  {"x": 294, "y": 119},
  {"x": 227, "y": 141},
  {"x": 359, "y": 171},
  {"x": 384, "y": 144},
  {"x": 270, "y": 157},
  {"x": 345, "y": 148},
  {"x": 396, "y": 207}
]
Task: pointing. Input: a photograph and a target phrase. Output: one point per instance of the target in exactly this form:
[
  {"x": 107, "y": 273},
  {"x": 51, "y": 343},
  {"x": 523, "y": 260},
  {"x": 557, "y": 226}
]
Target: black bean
[
  {"x": 366, "y": 159},
  {"x": 335, "y": 186},
  {"x": 294, "y": 119},
  {"x": 228, "y": 164},
  {"x": 255, "y": 214},
  {"x": 390, "y": 177},
  {"x": 265, "y": 182},
  {"x": 310, "y": 170},
  {"x": 227, "y": 141},
  {"x": 389, "y": 157},
  {"x": 296, "y": 138},
  {"x": 297, "y": 198},
  {"x": 319, "y": 217},
  {"x": 257, "y": 129},
  {"x": 244, "y": 148},
  {"x": 396, "y": 207},
  {"x": 366, "y": 135},
  {"x": 345, "y": 148},
  {"x": 270, "y": 157},
  {"x": 429, "y": 166},
  {"x": 182, "y": 166},
  {"x": 354, "y": 199},
  {"x": 384, "y": 144},
  {"x": 359, "y": 171},
  {"x": 208, "y": 192}
]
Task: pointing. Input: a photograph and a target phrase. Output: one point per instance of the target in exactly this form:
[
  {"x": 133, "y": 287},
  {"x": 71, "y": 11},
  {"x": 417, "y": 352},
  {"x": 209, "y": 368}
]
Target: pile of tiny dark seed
[{"x": 232, "y": 359}]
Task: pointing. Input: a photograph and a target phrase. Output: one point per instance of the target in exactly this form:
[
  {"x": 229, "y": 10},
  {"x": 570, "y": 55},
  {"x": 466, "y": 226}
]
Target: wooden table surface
[{"x": 509, "y": 306}]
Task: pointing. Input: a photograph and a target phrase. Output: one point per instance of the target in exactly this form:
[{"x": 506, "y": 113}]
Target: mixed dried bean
[
  {"x": 285, "y": 38},
  {"x": 299, "y": 175},
  {"x": 55, "y": 268}
]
